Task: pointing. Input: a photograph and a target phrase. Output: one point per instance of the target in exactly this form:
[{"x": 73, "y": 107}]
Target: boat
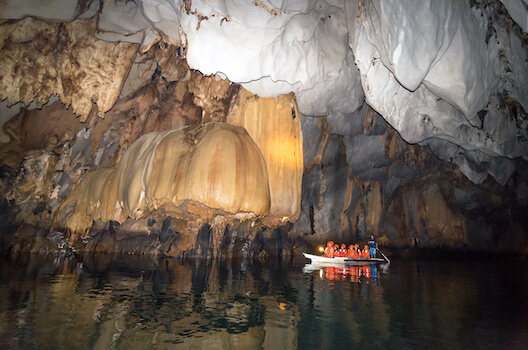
[{"x": 323, "y": 260}]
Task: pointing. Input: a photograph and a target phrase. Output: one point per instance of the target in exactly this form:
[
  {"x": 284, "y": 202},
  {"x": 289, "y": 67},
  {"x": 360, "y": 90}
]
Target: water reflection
[
  {"x": 113, "y": 302},
  {"x": 355, "y": 274},
  {"x": 137, "y": 303}
]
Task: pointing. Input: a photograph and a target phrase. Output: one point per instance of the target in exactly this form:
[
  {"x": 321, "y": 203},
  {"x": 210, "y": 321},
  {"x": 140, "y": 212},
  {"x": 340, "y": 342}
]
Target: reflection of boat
[
  {"x": 317, "y": 259},
  {"x": 367, "y": 274}
]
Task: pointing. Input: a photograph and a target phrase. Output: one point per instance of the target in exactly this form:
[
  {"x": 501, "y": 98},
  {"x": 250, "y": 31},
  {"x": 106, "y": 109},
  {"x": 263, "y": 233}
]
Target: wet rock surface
[
  {"x": 411, "y": 200},
  {"x": 333, "y": 168}
]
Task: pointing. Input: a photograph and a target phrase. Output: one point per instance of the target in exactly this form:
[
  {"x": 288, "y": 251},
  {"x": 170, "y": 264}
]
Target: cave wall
[
  {"x": 361, "y": 178},
  {"x": 178, "y": 158},
  {"x": 116, "y": 145}
]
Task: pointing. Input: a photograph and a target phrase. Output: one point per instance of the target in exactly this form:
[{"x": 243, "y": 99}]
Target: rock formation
[
  {"x": 256, "y": 128},
  {"x": 217, "y": 166}
]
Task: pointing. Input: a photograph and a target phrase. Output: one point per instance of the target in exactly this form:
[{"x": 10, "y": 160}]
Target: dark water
[{"x": 136, "y": 303}]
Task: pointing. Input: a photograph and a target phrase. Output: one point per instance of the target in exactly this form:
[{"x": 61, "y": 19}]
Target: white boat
[{"x": 323, "y": 260}]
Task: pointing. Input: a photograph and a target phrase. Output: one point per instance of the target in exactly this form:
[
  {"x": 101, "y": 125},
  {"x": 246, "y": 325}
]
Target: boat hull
[{"x": 323, "y": 260}]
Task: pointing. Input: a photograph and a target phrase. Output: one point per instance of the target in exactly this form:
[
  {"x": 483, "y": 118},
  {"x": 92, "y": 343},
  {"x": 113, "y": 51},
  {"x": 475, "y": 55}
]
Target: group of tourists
[{"x": 353, "y": 251}]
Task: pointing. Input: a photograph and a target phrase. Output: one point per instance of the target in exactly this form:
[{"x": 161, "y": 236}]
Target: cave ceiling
[{"x": 450, "y": 75}]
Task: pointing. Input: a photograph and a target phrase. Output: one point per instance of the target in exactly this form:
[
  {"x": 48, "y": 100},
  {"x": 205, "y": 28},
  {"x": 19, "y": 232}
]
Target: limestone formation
[
  {"x": 39, "y": 59},
  {"x": 275, "y": 125},
  {"x": 218, "y": 166},
  {"x": 262, "y": 128}
]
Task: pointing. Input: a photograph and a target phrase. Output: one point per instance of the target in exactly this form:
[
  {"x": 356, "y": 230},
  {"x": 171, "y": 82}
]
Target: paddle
[{"x": 384, "y": 256}]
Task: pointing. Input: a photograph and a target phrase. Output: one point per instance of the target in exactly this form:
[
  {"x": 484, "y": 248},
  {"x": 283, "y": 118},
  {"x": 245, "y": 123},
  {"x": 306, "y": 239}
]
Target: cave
[{"x": 263, "y": 129}]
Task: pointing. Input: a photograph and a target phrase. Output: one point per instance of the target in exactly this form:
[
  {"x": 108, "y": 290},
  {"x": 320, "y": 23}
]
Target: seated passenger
[
  {"x": 329, "y": 250},
  {"x": 343, "y": 250},
  {"x": 358, "y": 251},
  {"x": 365, "y": 254},
  {"x": 352, "y": 252}
]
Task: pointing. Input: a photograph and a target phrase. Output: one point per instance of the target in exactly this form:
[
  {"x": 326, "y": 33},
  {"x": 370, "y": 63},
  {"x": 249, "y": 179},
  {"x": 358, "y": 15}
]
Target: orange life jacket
[
  {"x": 329, "y": 252},
  {"x": 365, "y": 254},
  {"x": 336, "y": 251}
]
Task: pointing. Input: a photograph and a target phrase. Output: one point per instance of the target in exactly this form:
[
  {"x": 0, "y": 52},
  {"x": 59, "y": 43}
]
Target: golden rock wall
[
  {"x": 275, "y": 126},
  {"x": 217, "y": 166}
]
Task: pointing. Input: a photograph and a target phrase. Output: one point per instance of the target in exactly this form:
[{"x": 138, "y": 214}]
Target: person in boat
[
  {"x": 352, "y": 252},
  {"x": 343, "y": 250},
  {"x": 358, "y": 251},
  {"x": 373, "y": 246},
  {"x": 337, "y": 253},
  {"x": 365, "y": 254},
  {"x": 329, "y": 250}
]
